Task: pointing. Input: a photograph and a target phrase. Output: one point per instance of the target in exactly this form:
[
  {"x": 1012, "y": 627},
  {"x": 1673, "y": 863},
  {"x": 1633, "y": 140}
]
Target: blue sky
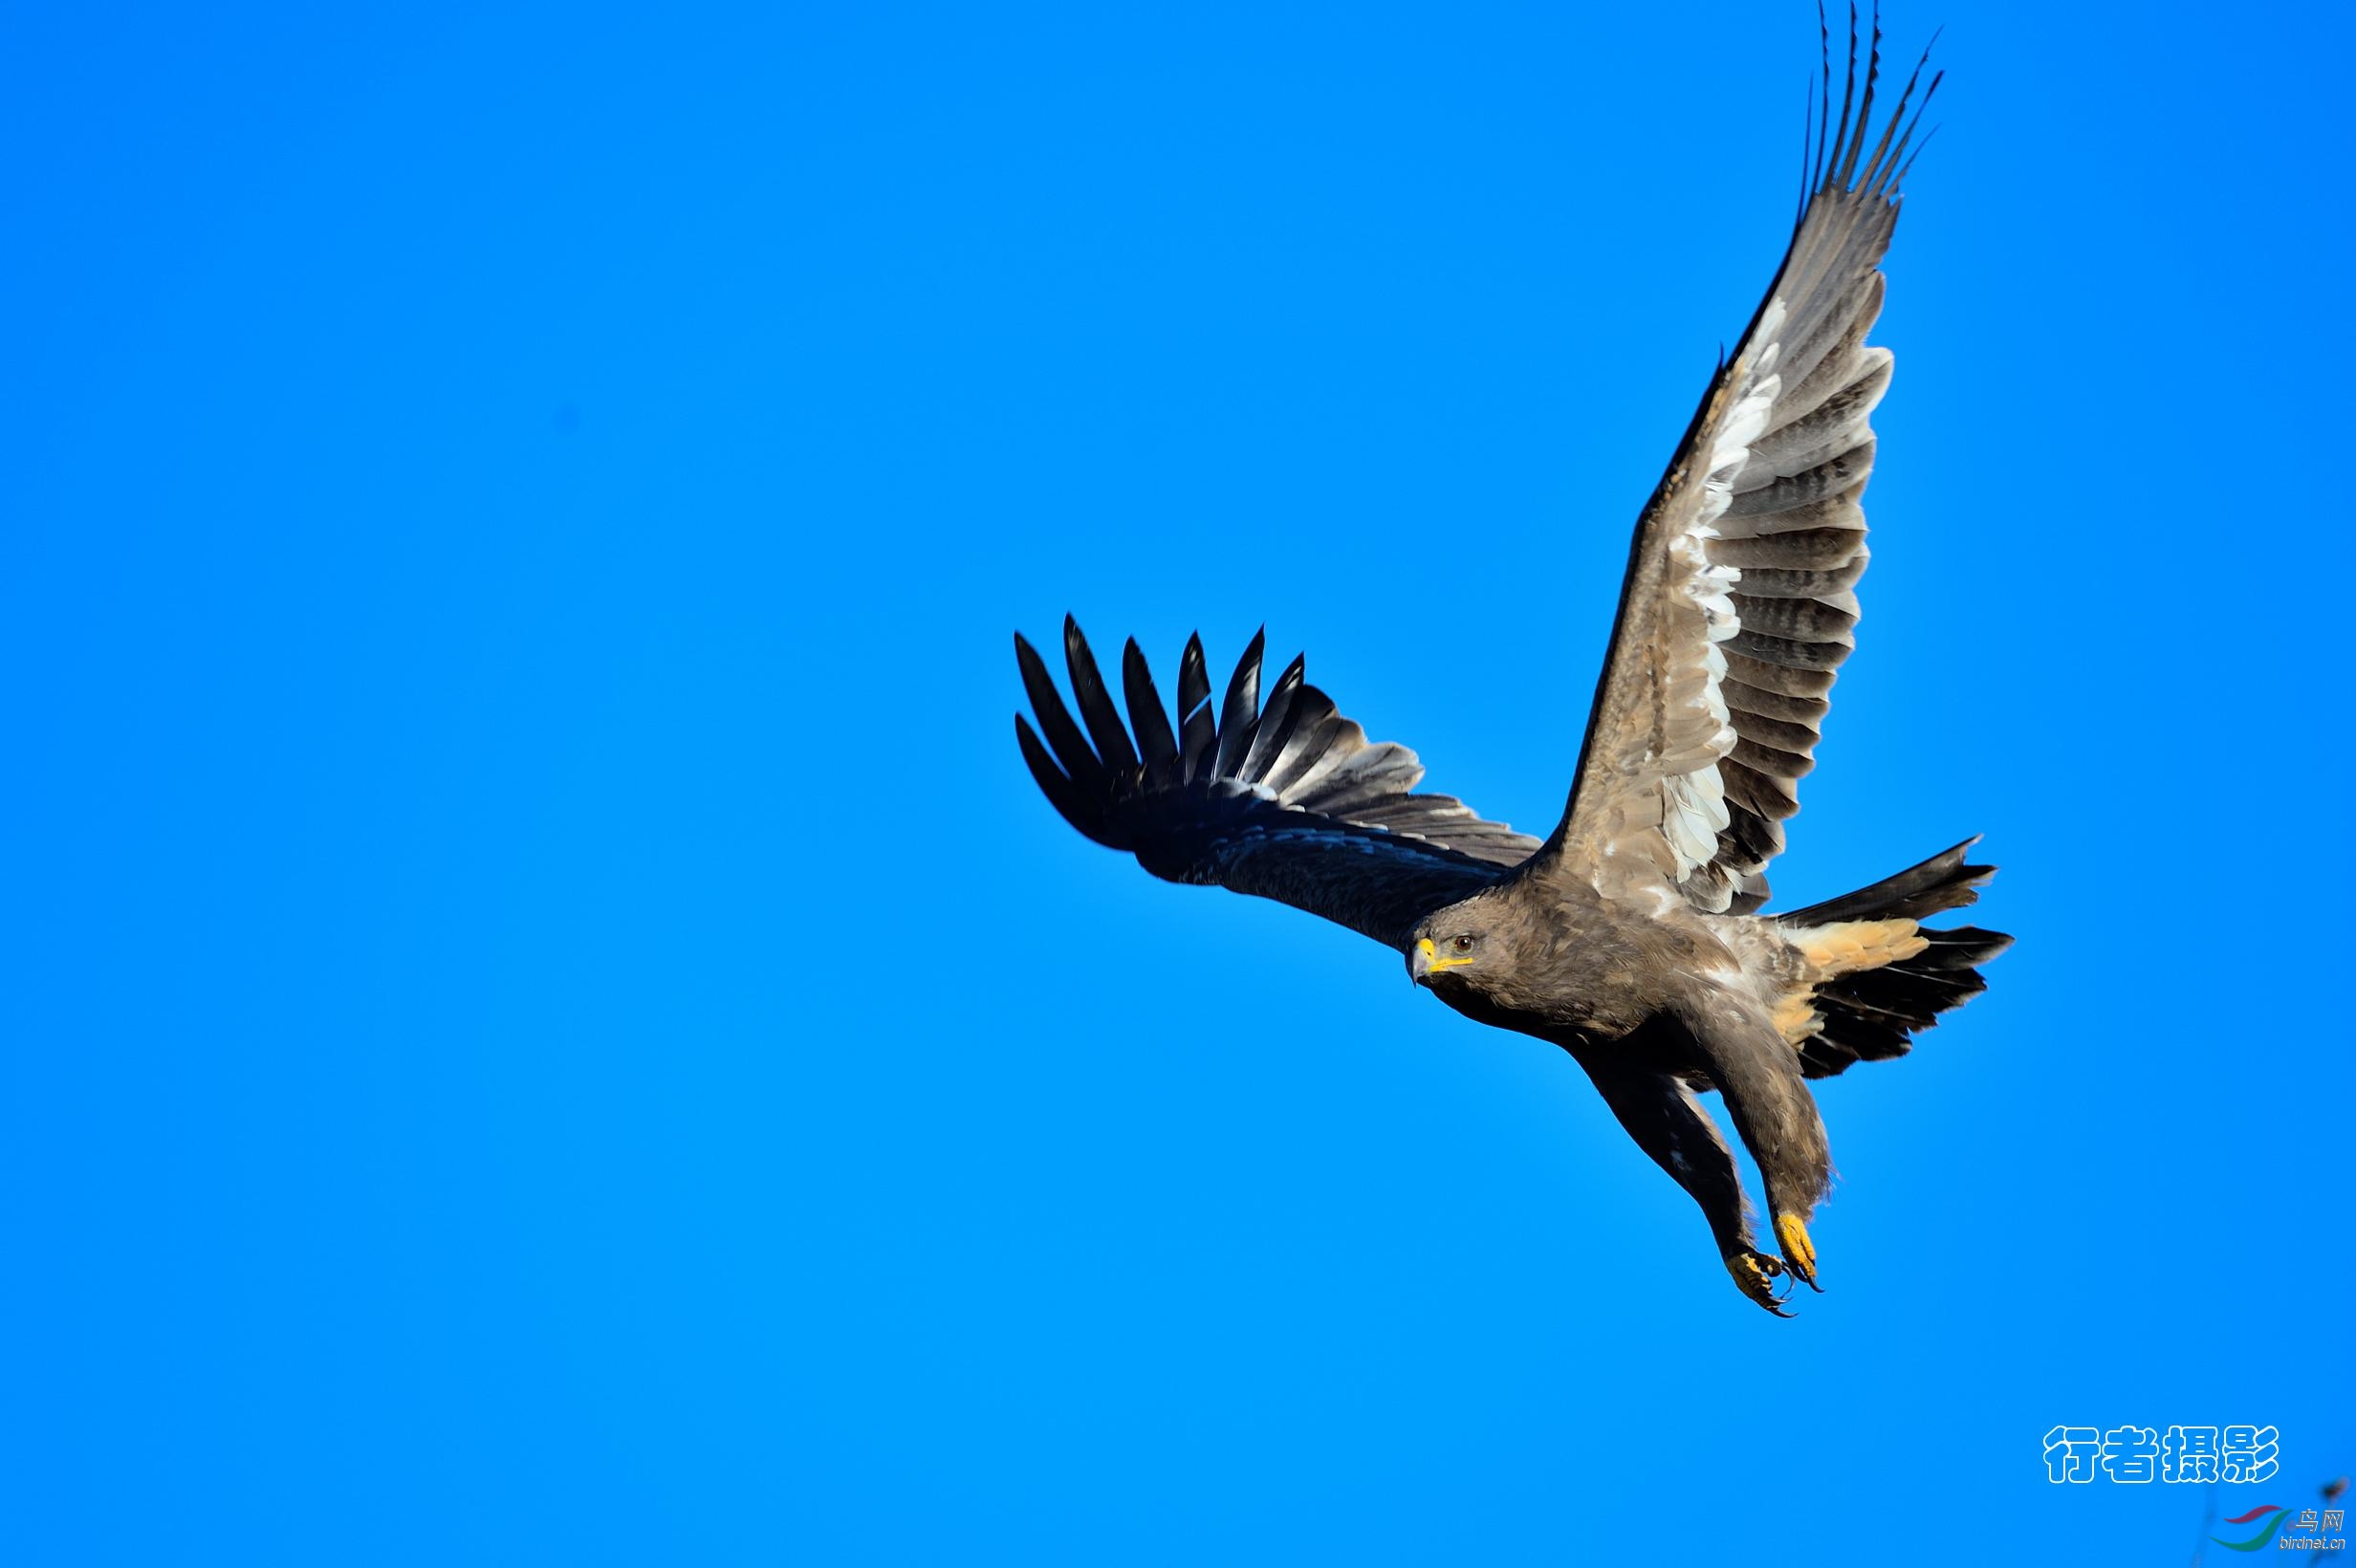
[{"x": 548, "y": 1023}]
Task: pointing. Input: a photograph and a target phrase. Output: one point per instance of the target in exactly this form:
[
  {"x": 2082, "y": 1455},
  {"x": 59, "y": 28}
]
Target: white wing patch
[{"x": 1696, "y": 732}]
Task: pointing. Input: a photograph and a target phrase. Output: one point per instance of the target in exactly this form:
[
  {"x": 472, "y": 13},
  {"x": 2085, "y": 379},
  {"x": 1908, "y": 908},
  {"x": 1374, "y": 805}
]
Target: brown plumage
[{"x": 1630, "y": 936}]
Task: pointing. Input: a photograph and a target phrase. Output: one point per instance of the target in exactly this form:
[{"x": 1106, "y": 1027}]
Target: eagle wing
[
  {"x": 1738, "y": 601},
  {"x": 1288, "y": 800}
]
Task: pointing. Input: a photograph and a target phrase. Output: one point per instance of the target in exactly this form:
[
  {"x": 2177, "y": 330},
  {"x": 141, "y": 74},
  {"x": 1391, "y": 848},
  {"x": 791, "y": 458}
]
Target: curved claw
[
  {"x": 1754, "y": 1274},
  {"x": 1798, "y": 1250}
]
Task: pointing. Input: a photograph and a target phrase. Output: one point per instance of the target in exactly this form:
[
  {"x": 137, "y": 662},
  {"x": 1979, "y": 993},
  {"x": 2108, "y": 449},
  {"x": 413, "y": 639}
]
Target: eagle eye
[{"x": 1463, "y": 943}]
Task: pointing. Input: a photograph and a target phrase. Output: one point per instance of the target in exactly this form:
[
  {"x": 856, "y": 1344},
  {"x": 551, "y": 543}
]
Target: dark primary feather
[
  {"x": 1200, "y": 731},
  {"x": 1154, "y": 737},
  {"x": 1096, "y": 705},
  {"x": 1287, "y": 800}
]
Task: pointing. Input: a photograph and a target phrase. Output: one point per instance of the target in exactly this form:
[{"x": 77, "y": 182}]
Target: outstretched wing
[
  {"x": 1737, "y": 604},
  {"x": 1289, "y": 801}
]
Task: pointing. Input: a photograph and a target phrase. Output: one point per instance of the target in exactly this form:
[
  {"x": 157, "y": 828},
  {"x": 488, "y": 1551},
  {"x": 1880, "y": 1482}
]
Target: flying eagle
[{"x": 1631, "y": 937}]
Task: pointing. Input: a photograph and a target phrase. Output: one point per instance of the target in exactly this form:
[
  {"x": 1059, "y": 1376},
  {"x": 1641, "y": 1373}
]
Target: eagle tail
[{"x": 1874, "y": 976}]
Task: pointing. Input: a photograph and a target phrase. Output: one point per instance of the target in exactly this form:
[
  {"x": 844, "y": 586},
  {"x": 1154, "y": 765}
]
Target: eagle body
[
  {"x": 1649, "y": 997},
  {"x": 1581, "y": 964},
  {"x": 1634, "y": 936}
]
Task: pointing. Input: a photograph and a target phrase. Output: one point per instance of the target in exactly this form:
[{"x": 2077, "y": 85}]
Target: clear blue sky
[{"x": 546, "y": 1022}]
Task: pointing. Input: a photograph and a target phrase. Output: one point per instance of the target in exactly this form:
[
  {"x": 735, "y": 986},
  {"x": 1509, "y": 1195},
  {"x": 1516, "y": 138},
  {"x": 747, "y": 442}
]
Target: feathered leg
[
  {"x": 1758, "y": 1073},
  {"x": 1668, "y": 1123}
]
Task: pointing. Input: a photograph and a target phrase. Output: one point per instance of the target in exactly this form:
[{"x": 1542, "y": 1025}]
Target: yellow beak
[{"x": 1426, "y": 962}]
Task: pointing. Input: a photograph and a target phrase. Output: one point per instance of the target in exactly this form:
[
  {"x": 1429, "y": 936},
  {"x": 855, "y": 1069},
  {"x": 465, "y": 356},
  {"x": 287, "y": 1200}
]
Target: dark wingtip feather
[
  {"x": 1848, "y": 92},
  {"x": 1881, "y": 169},
  {"x": 1841, "y": 140},
  {"x": 1071, "y": 747},
  {"x": 1238, "y": 714},
  {"x": 1095, "y": 703},
  {"x": 1209, "y": 788},
  {"x": 1156, "y": 742},
  {"x": 1276, "y": 723},
  {"x": 1897, "y": 183},
  {"x": 1072, "y": 803},
  {"x": 1857, "y": 132},
  {"x": 1198, "y": 729},
  {"x": 1819, "y": 116}
]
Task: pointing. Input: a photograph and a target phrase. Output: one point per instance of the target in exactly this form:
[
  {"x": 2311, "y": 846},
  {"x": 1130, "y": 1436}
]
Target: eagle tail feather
[{"x": 1875, "y": 977}]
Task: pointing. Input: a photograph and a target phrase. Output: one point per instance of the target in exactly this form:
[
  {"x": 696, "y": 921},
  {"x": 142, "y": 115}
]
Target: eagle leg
[
  {"x": 1661, "y": 1112},
  {"x": 1756, "y": 1071}
]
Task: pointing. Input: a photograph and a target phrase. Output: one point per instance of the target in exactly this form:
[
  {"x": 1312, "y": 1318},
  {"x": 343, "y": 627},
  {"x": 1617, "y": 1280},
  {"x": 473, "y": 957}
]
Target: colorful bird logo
[{"x": 2258, "y": 1541}]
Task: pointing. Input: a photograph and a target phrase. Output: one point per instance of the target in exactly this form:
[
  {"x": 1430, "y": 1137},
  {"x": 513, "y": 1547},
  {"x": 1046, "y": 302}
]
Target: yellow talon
[
  {"x": 1753, "y": 1274},
  {"x": 1798, "y": 1250}
]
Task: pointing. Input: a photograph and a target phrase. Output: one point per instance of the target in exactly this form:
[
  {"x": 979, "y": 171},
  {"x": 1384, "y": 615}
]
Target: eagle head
[{"x": 1447, "y": 944}]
